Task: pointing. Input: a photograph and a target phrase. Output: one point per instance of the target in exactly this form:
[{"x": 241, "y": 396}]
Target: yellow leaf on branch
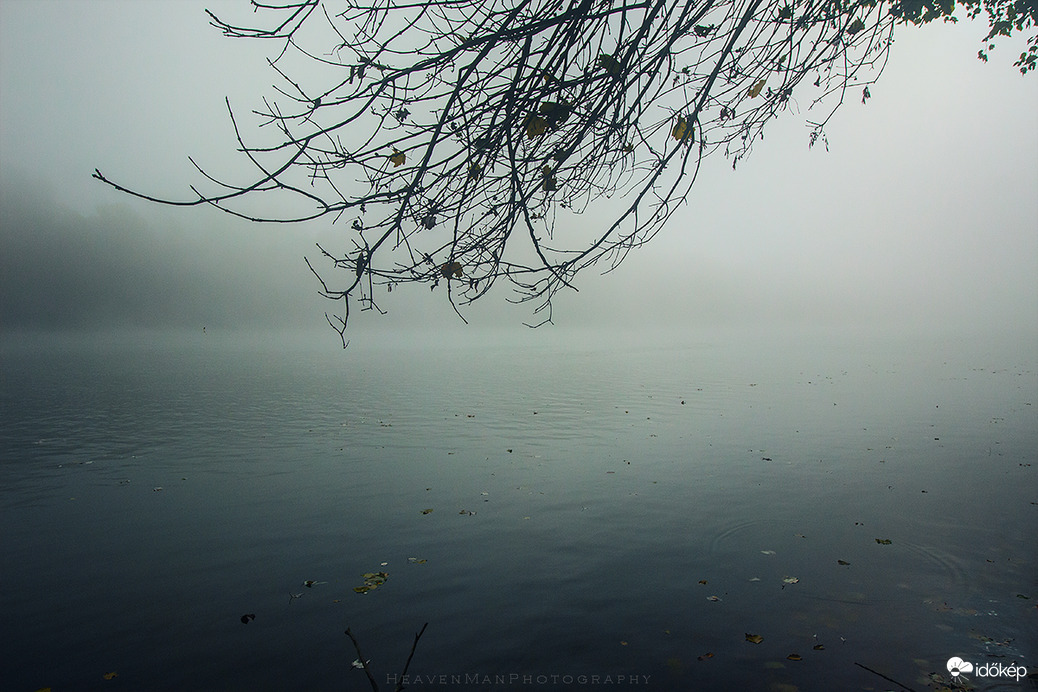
[
  {"x": 682, "y": 130},
  {"x": 755, "y": 90},
  {"x": 535, "y": 126}
]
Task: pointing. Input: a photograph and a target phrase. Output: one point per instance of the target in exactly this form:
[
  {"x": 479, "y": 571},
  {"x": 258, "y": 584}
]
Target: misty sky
[{"x": 923, "y": 211}]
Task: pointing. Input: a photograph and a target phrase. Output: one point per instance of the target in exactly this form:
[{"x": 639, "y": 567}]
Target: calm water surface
[{"x": 557, "y": 514}]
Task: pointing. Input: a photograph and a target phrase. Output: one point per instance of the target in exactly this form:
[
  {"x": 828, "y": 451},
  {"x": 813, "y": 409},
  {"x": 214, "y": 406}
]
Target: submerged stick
[
  {"x": 403, "y": 673},
  {"x": 884, "y": 676},
  {"x": 363, "y": 661}
]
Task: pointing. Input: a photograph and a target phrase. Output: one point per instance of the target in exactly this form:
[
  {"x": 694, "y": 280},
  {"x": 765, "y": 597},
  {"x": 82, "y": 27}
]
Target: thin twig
[
  {"x": 884, "y": 676},
  {"x": 403, "y": 673},
  {"x": 363, "y": 661}
]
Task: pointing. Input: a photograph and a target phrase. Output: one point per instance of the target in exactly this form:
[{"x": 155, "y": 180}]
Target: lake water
[{"x": 567, "y": 514}]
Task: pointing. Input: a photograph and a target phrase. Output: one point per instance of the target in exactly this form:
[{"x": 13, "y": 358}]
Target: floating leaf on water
[
  {"x": 883, "y": 541},
  {"x": 1020, "y": 595},
  {"x": 417, "y": 560},
  {"x": 372, "y": 580},
  {"x": 705, "y": 656},
  {"x": 426, "y": 511},
  {"x": 754, "y": 578},
  {"x": 794, "y": 657},
  {"x": 790, "y": 580},
  {"x": 713, "y": 598},
  {"x": 247, "y": 618},
  {"x": 842, "y": 562},
  {"x": 754, "y": 638},
  {"x": 623, "y": 643},
  {"x": 818, "y": 647},
  {"x": 702, "y": 581},
  {"x": 109, "y": 676},
  {"x": 767, "y": 552}
]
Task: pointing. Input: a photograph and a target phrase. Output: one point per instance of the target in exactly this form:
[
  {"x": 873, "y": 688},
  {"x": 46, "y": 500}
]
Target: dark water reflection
[{"x": 604, "y": 486}]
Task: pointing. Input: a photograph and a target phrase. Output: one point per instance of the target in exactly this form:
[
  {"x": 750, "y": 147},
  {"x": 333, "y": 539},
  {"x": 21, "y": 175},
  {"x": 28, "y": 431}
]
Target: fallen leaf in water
[
  {"x": 248, "y": 617},
  {"x": 790, "y": 580},
  {"x": 705, "y": 656},
  {"x": 426, "y": 511},
  {"x": 372, "y": 580},
  {"x": 884, "y": 541},
  {"x": 702, "y": 581},
  {"x": 1020, "y": 595},
  {"x": 767, "y": 552},
  {"x": 794, "y": 657},
  {"x": 713, "y": 598},
  {"x": 44, "y": 689},
  {"x": 842, "y": 562},
  {"x": 818, "y": 647},
  {"x": 754, "y": 638},
  {"x": 417, "y": 560},
  {"x": 109, "y": 676},
  {"x": 622, "y": 643}
]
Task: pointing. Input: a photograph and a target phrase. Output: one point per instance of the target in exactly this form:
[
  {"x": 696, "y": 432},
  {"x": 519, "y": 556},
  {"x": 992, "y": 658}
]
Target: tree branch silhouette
[{"x": 458, "y": 142}]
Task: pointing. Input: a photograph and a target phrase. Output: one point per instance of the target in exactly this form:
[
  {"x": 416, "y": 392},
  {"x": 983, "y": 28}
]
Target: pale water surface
[{"x": 601, "y": 514}]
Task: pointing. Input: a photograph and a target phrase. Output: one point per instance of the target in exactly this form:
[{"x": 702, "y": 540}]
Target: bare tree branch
[{"x": 434, "y": 131}]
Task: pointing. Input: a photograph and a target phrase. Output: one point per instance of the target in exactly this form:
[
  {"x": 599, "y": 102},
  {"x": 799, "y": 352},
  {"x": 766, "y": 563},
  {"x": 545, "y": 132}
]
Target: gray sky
[{"x": 923, "y": 211}]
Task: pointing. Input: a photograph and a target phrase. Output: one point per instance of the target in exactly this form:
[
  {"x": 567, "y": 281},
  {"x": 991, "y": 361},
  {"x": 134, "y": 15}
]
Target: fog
[{"x": 921, "y": 213}]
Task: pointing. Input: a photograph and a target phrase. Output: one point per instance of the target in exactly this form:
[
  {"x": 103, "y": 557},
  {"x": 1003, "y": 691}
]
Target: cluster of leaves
[
  {"x": 372, "y": 580},
  {"x": 460, "y": 140},
  {"x": 1005, "y": 18}
]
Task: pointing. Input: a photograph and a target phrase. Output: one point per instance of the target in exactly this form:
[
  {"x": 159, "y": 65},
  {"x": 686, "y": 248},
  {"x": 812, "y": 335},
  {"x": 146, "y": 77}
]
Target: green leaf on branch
[{"x": 609, "y": 64}]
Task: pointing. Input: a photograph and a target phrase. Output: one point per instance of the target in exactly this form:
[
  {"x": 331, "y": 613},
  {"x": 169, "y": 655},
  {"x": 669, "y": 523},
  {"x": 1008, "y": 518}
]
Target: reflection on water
[{"x": 599, "y": 512}]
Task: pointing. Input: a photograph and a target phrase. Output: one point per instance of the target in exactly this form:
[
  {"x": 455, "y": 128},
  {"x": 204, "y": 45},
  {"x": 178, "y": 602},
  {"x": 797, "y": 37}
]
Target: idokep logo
[{"x": 958, "y": 668}]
